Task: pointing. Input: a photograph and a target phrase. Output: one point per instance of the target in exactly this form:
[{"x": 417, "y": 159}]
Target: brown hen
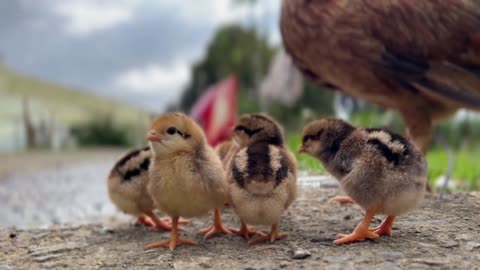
[{"x": 420, "y": 57}]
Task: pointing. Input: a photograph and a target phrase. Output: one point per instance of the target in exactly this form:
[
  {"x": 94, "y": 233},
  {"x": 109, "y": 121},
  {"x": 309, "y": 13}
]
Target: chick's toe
[
  {"x": 245, "y": 231},
  {"x": 174, "y": 241},
  {"x": 341, "y": 200},
  {"x": 272, "y": 236},
  {"x": 216, "y": 228},
  {"x": 385, "y": 228}
]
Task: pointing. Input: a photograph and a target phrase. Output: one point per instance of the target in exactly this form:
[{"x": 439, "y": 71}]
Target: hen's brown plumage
[{"x": 420, "y": 57}]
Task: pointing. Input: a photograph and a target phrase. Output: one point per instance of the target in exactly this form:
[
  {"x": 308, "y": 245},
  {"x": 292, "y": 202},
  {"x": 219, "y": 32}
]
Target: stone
[
  {"x": 301, "y": 254},
  {"x": 284, "y": 264},
  {"x": 472, "y": 245},
  {"x": 392, "y": 256},
  {"x": 450, "y": 244}
]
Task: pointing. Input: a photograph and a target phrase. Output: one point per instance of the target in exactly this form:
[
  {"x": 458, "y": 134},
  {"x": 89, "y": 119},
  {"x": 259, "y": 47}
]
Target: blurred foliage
[
  {"x": 240, "y": 51},
  {"x": 101, "y": 131},
  {"x": 465, "y": 166},
  {"x": 233, "y": 50}
]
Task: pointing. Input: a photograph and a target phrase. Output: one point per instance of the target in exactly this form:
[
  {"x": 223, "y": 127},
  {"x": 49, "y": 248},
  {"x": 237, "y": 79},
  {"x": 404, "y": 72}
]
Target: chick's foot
[
  {"x": 145, "y": 220},
  {"x": 174, "y": 241},
  {"x": 216, "y": 227},
  {"x": 341, "y": 200},
  {"x": 357, "y": 235},
  {"x": 272, "y": 236},
  {"x": 245, "y": 231},
  {"x": 180, "y": 220},
  {"x": 158, "y": 224},
  {"x": 385, "y": 228},
  {"x": 362, "y": 231}
]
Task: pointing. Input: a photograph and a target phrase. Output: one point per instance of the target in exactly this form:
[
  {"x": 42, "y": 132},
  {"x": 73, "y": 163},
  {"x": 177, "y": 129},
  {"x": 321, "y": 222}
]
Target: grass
[{"x": 466, "y": 166}]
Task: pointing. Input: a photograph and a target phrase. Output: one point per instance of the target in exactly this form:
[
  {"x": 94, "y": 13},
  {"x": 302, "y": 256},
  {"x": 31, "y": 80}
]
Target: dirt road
[{"x": 442, "y": 235}]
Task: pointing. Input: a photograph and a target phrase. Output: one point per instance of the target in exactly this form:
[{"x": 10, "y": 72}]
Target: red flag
[{"x": 216, "y": 110}]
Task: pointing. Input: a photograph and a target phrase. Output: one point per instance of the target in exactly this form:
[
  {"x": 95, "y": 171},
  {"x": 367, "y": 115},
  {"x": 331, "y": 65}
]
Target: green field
[{"x": 64, "y": 104}]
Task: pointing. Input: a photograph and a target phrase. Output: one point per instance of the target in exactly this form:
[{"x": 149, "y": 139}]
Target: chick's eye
[{"x": 171, "y": 130}]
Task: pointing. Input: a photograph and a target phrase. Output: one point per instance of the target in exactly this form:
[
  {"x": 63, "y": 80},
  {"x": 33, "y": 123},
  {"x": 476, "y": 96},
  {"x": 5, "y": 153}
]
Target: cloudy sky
[{"x": 135, "y": 50}]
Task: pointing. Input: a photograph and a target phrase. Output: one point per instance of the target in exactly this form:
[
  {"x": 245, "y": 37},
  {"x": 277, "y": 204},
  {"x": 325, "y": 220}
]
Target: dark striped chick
[
  {"x": 262, "y": 176},
  {"x": 381, "y": 171},
  {"x": 127, "y": 188}
]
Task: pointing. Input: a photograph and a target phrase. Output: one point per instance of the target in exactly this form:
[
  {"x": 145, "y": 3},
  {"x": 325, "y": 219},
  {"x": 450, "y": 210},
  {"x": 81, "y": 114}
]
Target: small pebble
[
  {"x": 450, "y": 244},
  {"x": 301, "y": 254},
  {"x": 106, "y": 230},
  {"x": 472, "y": 245},
  {"x": 205, "y": 265},
  {"x": 284, "y": 264}
]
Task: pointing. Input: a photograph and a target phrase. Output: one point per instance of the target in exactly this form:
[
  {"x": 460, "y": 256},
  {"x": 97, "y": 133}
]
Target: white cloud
[
  {"x": 217, "y": 11},
  {"x": 154, "y": 78},
  {"x": 88, "y": 16}
]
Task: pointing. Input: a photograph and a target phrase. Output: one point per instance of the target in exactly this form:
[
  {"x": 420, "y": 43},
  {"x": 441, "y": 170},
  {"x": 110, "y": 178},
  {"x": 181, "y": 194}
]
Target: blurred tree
[
  {"x": 230, "y": 52},
  {"x": 102, "y": 131}
]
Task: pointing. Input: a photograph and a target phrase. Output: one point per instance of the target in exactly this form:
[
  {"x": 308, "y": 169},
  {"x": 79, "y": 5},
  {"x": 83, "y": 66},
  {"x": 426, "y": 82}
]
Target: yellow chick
[
  {"x": 379, "y": 170},
  {"x": 127, "y": 188},
  {"x": 186, "y": 176},
  {"x": 262, "y": 176}
]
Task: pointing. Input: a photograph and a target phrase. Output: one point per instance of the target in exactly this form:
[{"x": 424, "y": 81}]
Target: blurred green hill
[
  {"x": 66, "y": 104},
  {"x": 54, "y": 111}
]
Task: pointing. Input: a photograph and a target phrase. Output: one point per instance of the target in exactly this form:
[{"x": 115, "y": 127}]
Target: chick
[
  {"x": 223, "y": 149},
  {"x": 186, "y": 176},
  {"x": 262, "y": 176},
  {"x": 127, "y": 188},
  {"x": 379, "y": 170}
]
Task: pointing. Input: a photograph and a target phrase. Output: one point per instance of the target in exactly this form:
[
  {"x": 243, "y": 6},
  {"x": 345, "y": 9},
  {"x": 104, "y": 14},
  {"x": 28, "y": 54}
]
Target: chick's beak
[
  {"x": 302, "y": 149},
  {"x": 153, "y": 137}
]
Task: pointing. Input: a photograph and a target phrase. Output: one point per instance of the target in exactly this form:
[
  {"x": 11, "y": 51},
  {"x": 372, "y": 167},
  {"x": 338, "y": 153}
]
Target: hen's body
[{"x": 419, "y": 57}]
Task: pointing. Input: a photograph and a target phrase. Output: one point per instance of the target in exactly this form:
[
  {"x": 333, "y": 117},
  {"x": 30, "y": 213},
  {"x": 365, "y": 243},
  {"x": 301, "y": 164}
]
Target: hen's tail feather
[{"x": 445, "y": 80}]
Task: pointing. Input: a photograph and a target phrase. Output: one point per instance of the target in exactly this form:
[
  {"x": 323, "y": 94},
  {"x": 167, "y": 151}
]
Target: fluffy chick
[
  {"x": 223, "y": 149},
  {"x": 262, "y": 176},
  {"x": 381, "y": 171},
  {"x": 186, "y": 176},
  {"x": 127, "y": 188}
]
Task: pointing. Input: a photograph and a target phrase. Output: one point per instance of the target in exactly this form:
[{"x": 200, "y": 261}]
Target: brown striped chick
[
  {"x": 262, "y": 176},
  {"x": 225, "y": 151},
  {"x": 186, "y": 176},
  {"x": 379, "y": 170},
  {"x": 222, "y": 149},
  {"x": 127, "y": 188}
]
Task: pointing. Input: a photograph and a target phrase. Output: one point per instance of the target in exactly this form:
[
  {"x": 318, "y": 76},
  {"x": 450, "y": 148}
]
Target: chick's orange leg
[
  {"x": 244, "y": 231},
  {"x": 174, "y": 240},
  {"x": 144, "y": 220},
  {"x": 341, "y": 199},
  {"x": 361, "y": 232},
  {"x": 272, "y": 236},
  {"x": 180, "y": 220},
  {"x": 216, "y": 227},
  {"x": 158, "y": 224},
  {"x": 385, "y": 228}
]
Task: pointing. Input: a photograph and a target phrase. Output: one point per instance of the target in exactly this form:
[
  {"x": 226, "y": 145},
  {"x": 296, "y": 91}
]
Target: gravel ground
[
  {"x": 91, "y": 234},
  {"x": 438, "y": 236}
]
